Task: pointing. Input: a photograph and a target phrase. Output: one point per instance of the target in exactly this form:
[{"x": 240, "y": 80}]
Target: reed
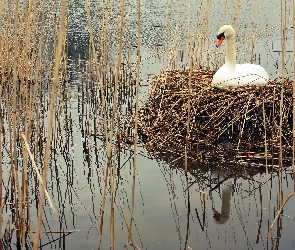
[
  {"x": 1, "y": 141},
  {"x": 283, "y": 47},
  {"x": 55, "y": 82},
  {"x": 105, "y": 119},
  {"x": 293, "y": 155},
  {"x": 129, "y": 240},
  {"x": 279, "y": 213},
  {"x": 23, "y": 60},
  {"x": 284, "y": 36},
  {"x": 108, "y": 72}
]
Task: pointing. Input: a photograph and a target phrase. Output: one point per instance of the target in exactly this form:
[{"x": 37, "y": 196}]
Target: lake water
[{"x": 167, "y": 215}]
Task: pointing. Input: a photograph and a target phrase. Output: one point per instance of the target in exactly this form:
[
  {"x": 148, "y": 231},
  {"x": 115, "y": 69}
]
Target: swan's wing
[
  {"x": 240, "y": 75},
  {"x": 250, "y": 74},
  {"x": 222, "y": 75}
]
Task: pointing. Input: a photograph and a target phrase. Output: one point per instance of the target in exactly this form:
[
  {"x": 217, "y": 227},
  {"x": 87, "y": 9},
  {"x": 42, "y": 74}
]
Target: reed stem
[
  {"x": 55, "y": 82},
  {"x": 293, "y": 154},
  {"x": 136, "y": 122}
]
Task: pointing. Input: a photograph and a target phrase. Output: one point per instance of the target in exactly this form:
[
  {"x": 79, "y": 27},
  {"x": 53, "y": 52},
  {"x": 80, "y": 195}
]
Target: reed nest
[{"x": 184, "y": 112}]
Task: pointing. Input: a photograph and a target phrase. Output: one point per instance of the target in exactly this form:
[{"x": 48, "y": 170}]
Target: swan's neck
[{"x": 231, "y": 50}]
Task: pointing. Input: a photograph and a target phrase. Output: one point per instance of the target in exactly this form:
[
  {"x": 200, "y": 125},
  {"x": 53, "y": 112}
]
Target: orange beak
[{"x": 219, "y": 41}]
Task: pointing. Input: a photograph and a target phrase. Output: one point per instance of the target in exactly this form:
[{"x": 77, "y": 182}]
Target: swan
[{"x": 232, "y": 74}]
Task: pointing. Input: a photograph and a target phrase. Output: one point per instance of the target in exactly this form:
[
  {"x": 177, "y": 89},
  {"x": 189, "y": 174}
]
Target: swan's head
[{"x": 225, "y": 31}]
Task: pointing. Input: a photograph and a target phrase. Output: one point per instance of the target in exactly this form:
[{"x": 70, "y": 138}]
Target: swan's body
[{"x": 232, "y": 74}]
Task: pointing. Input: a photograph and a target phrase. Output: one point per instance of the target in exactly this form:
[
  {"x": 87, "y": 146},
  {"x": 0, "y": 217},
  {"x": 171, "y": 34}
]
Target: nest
[{"x": 184, "y": 112}]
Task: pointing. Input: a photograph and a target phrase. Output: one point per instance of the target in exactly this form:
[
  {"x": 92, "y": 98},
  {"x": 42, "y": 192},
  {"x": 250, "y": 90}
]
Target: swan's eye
[{"x": 220, "y": 36}]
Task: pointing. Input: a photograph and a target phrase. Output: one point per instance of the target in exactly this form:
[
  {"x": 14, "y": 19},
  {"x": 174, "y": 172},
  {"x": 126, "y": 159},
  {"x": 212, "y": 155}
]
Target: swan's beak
[{"x": 219, "y": 41}]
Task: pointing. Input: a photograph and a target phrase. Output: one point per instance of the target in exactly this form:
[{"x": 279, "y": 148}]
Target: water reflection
[
  {"x": 243, "y": 200},
  {"x": 223, "y": 216}
]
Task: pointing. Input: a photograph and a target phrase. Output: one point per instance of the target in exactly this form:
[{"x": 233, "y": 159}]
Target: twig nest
[{"x": 183, "y": 111}]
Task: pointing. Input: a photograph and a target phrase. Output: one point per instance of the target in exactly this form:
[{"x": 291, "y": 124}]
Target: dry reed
[
  {"x": 293, "y": 155},
  {"x": 58, "y": 56},
  {"x": 135, "y": 125},
  {"x": 279, "y": 213},
  {"x": 26, "y": 67}
]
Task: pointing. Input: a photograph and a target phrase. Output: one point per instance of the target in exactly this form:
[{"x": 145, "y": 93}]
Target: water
[{"x": 166, "y": 215}]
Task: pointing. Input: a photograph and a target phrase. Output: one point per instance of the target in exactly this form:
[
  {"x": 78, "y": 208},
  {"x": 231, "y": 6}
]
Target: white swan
[{"x": 232, "y": 74}]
